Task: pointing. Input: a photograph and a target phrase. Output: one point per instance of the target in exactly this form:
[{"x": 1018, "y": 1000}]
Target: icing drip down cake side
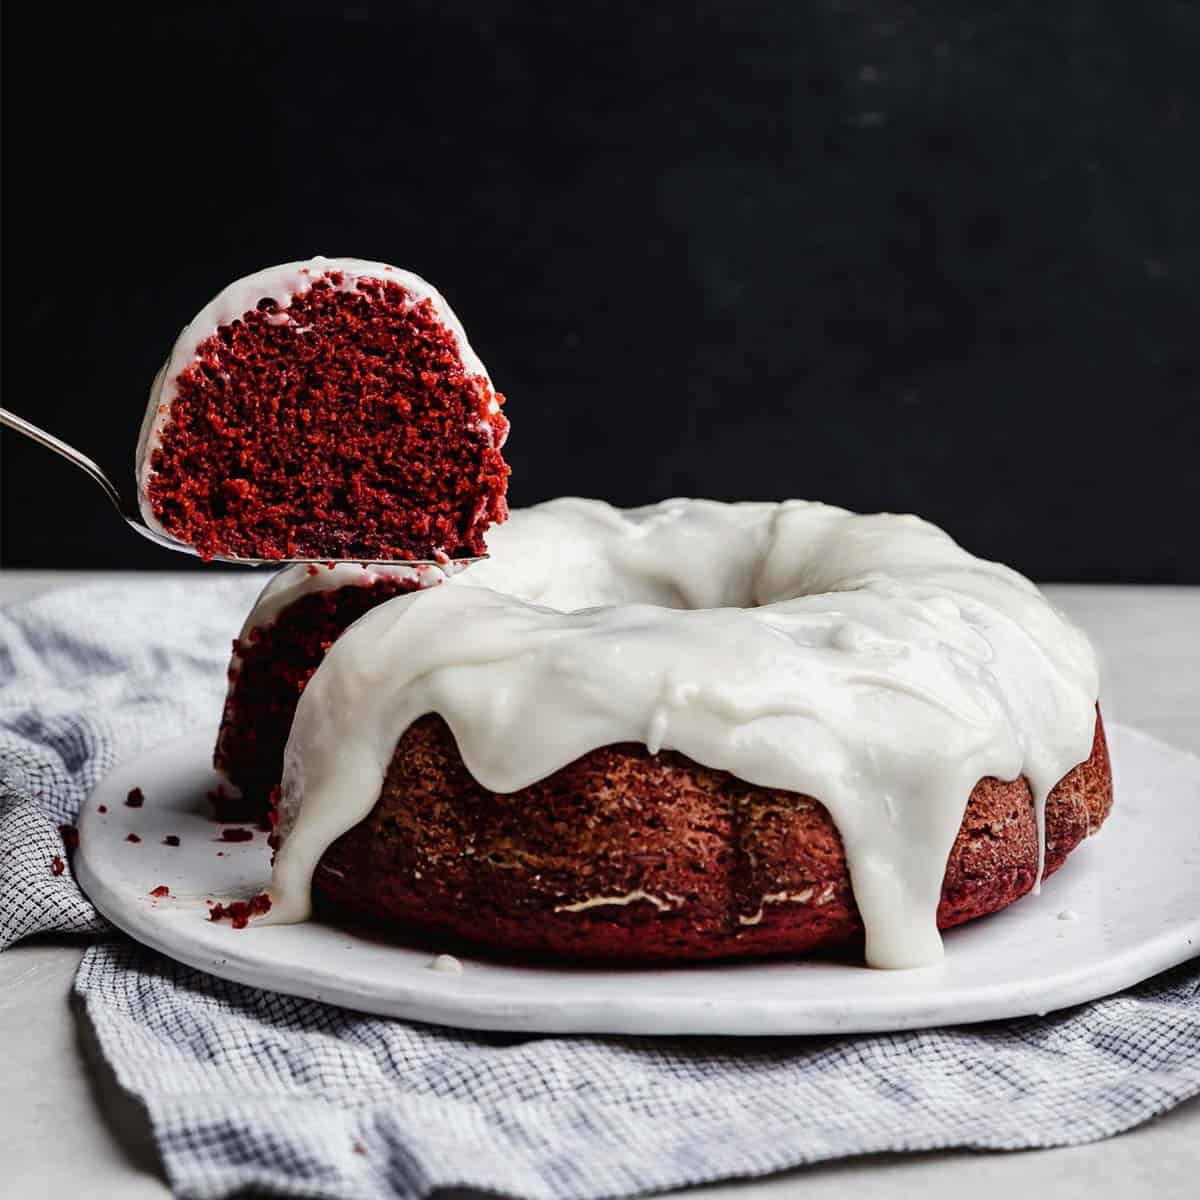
[{"x": 689, "y": 731}]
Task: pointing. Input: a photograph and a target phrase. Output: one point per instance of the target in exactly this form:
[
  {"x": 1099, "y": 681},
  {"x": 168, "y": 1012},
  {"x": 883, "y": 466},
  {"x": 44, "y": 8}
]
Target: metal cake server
[{"x": 133, "y": 518}]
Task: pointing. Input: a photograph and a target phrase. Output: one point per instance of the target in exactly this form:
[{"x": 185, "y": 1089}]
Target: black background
[{"x": 942, "y": 257}]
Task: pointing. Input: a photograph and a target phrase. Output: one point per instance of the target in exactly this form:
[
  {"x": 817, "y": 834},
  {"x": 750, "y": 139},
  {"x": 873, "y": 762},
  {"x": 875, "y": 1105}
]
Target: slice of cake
[{"x": 326, "y": 409}]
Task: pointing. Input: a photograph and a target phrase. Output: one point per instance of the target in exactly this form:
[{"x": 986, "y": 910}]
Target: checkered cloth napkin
[{"x": 249, "y": 1091}]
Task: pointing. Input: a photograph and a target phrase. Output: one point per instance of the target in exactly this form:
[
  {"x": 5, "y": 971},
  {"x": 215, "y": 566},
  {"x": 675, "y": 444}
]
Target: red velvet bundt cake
[
  {"x": 628, "y": 856},
  {"x": 694, "y": 731},
  {"x": 330, "y": 409}
]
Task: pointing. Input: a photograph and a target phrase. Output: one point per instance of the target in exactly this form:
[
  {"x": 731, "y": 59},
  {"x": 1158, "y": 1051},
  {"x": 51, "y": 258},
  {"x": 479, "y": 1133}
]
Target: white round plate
[{"x": 1125, "y": 906}]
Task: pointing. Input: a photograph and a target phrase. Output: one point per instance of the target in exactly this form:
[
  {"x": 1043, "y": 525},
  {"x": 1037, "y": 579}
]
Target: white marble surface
[{"x": 66, "y": 1129}]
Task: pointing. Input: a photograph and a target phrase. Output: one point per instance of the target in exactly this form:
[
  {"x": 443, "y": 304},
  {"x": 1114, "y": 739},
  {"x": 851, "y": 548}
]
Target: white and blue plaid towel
[{"x": 249, "y": 1091}]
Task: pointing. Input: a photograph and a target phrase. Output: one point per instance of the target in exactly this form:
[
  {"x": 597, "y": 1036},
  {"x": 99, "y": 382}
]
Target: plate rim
[{"x": 444, "y": 999}]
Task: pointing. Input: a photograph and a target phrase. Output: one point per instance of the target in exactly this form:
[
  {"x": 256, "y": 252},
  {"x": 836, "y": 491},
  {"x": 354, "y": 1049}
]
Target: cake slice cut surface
[{"x": 297, "y": 617}]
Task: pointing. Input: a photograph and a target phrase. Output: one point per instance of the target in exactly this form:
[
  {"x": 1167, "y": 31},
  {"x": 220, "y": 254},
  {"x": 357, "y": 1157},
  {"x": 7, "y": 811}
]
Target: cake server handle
[{"x": 73, "y": 456}]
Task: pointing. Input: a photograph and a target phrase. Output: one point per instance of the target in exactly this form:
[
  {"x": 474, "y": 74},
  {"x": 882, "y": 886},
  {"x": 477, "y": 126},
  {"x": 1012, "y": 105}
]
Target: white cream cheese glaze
[
  {"x": 867, "y": 661},
  {"x": 281, "y": 284}
]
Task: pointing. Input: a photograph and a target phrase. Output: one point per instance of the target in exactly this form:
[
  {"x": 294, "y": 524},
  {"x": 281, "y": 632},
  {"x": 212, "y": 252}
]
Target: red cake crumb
[
  {"x": 102, "y": 808},
  {"x": 276, "y": 664},
  {"x": 136, "y": 798},
  {"x": 132, "y": 837},
  {"x": 70, "y": 836},
  {"x": 343, "y": 426},
  {"x": 161, "y": 890},
  {"x": 171, "y": 840},
  {"x": 359, "y": 1148},
  {"x": 237, "y": 835},
  {"x": 240, "y": 911},
  {"x": 57, "y": 865}
]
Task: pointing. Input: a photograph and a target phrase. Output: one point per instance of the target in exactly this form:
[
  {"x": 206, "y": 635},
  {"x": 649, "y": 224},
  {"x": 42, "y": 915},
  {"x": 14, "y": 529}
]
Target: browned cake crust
[{"x": 693, "y": 862}]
